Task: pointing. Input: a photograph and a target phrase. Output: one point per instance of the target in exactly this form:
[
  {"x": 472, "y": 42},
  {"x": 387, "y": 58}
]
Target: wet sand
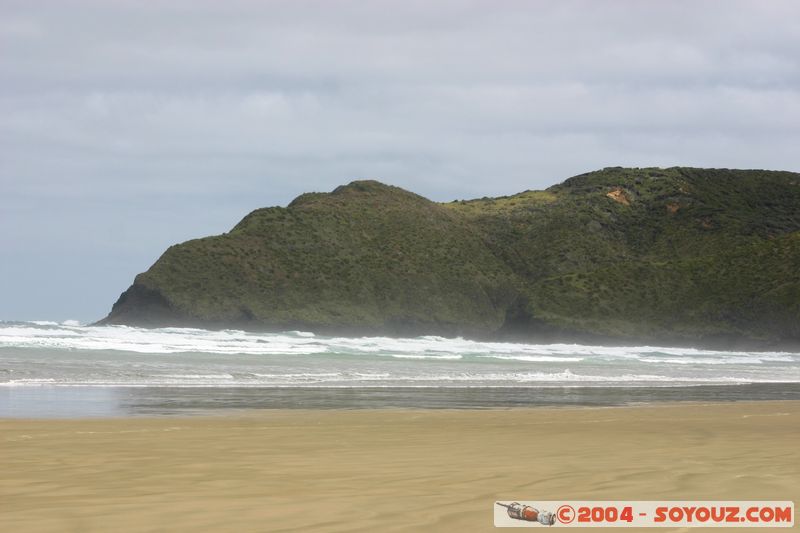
[{"x": 383, "y": 470}]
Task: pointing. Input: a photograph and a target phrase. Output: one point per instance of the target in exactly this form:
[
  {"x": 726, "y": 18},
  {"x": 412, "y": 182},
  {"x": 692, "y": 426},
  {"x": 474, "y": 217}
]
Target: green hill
[{"x": 679, "y": 256}]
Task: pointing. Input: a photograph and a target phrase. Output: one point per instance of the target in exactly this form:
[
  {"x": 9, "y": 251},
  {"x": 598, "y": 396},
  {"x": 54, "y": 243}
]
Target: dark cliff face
[
  {"x": 142, "y": 306},
  {"x": 686, "y": 256}
]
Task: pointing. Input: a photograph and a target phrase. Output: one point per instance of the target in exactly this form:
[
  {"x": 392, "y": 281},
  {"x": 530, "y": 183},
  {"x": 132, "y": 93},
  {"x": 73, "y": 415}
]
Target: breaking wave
[{"x": 50, "y": 353}]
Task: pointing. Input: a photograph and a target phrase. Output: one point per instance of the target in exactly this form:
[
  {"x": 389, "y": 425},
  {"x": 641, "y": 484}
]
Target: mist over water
[{"x": 68, "y": 354}]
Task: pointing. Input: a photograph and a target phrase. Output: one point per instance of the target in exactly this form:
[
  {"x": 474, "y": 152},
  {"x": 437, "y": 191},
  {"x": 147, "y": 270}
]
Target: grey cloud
[{"x": 128, "y": 126}]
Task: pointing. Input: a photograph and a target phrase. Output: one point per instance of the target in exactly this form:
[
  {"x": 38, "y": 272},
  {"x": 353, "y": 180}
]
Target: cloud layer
[{"x": 128, "y": 126}]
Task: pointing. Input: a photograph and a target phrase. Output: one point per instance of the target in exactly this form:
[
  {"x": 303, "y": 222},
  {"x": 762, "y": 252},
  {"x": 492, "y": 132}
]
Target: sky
[{"x": 128, "y": 126}]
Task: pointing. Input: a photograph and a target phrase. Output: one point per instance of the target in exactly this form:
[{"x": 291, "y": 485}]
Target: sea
[{"x": 67, "y": 369}]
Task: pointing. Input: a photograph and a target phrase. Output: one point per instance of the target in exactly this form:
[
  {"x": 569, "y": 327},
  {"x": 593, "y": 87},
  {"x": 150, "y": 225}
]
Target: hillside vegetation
[{"x": 678, "y": 255}]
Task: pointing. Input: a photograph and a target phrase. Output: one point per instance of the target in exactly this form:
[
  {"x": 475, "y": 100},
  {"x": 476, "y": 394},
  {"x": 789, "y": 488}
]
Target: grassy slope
[
  {"x": 683, "y": 254},
  {"x": 679, "y": 253},
  {"x": 367, "y": 255}
]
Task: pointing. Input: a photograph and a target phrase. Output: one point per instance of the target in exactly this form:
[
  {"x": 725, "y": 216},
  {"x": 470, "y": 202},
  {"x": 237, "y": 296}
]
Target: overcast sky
[{"x": 127, "y": 126}]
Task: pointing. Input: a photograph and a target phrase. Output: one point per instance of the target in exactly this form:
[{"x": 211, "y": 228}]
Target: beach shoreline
[
  {"x": 384, "y": 469},
  {"x": 53, "y": 401}
]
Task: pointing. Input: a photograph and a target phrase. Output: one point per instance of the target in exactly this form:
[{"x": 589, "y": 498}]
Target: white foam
[
  {"x": 565, "y": 377},
  {"x": 177, "y": 340},
  {"x": 49, "y": 353},
  {"x": 156, "y": 341},
  {"x": 535, "y": 358},
  {"x": 199, "y": 376},
  {"x": 686, "y": 360},
  {"x": 442, "y": 357},
  {"x": 303, "y": 333}
]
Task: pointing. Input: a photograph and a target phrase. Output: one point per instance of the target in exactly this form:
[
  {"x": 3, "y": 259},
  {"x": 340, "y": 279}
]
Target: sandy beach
[{"x": 383, "y": 470}]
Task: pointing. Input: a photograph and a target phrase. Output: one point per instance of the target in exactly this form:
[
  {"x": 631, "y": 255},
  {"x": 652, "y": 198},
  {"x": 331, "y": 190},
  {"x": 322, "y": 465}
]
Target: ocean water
[{"x": 48, "y": 367}]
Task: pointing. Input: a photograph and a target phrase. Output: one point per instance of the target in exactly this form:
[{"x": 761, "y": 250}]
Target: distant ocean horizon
[{"x": 44, "y": 364}]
